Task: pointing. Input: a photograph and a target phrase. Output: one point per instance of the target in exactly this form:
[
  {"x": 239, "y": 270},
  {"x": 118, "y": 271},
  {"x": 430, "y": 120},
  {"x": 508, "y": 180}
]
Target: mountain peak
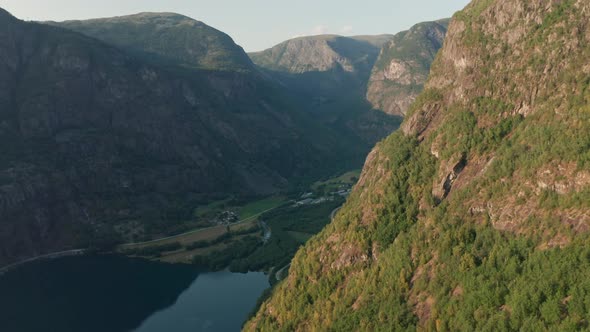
[
  {"x": 145, "y": 18},
  {"x": 160, "y": 14},
  {"x": 138, "y": 16},
  {"x": 5, "y": 15},
  {"x": 167, "y": 37},
  {"x": 318, "y": 53}
]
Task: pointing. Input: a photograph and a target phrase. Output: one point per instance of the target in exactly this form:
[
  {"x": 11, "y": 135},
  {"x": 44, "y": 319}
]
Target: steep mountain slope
[
  {"x": 97, "y": 143},
  {"x": 167, "y": 37},
  {"x": 333, "y": 95},
  {"x": 403, "y": 66},
  {"x": 476, "y": 215},
  {"x": 376, "y": 40},
  {"x": 318, "y": 53},
  {"x": 328, "y": 75}
]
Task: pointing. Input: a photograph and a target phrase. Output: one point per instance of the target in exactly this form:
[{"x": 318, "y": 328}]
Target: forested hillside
[{"x": 475, "y": 215}]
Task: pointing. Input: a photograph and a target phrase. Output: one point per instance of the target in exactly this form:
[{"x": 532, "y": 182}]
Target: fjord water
[{"x": 109, "y": 293}]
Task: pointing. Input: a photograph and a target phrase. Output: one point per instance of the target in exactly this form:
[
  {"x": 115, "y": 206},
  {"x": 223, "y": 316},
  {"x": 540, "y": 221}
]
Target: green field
[
  {"x": 247, "y": 213},
  {"x": 211, "y": 208},
  {"x": 348, "y": 179},
  {"x": 252, "y": 209},
  {"x": 244, "y": 211},
  {"x": 241, "y": 248},
  {"x": 177, "y": 249}
]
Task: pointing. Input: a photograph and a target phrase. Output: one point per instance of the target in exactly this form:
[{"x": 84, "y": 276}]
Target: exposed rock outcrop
[{"x": 403, "y": 65}]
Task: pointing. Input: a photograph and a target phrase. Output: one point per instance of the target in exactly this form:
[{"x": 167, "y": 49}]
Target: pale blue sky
[{"x": 257, "y": 24}]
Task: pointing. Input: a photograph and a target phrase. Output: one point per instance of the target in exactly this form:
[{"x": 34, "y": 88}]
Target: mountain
[
  {"x": 319, "y": 53},
  {"x": 376, "y": 40},
  {"x": 167, "y": 37},
  {"x": 335, "y": 95},
  {"x": 474, "y": 216},
  {"x": 403, "y": 66},
  {"x": 328, "y": 75},
  {"x": 99, "y": 144}
]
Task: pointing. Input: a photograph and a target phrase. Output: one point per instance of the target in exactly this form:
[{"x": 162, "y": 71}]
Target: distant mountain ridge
[
  {"x": 321, "y": 53},
  {"x": 328, "y": 74},
  {"x": 167, "y": 37}
]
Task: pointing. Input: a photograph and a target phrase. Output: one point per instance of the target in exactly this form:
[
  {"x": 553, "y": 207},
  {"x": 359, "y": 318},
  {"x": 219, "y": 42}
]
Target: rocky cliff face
[
  {"x": 403, "y": 65},
  {"x": 167, "y": 38},
  {"x": 475, "y": 216},
  {"x": 97, "y": 143}
]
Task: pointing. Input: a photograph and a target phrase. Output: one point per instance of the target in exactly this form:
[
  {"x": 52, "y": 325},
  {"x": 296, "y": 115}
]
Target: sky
[{"x": 257, "y": 24}]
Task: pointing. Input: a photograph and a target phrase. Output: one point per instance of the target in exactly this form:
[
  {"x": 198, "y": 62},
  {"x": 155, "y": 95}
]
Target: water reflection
[
  {"x": 116, "y": 294},
  {"x": 102, "y": 293}
]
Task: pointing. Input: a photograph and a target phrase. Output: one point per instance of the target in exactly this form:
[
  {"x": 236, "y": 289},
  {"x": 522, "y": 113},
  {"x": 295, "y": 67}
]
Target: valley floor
[{"x": 265, "y": 238}]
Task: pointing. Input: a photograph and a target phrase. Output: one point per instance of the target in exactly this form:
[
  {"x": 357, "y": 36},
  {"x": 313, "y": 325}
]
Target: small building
[
  {"x": 305, "y": 202},
  {"x": 319, "y": 200}
]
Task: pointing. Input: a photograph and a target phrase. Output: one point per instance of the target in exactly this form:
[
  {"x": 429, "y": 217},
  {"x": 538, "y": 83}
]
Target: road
[
  {"x": 75, "y": 252},
  {"x": 279, "y": 272},
  {"x": 333, "y": 214},
  {"x": 267, "y": 231}
]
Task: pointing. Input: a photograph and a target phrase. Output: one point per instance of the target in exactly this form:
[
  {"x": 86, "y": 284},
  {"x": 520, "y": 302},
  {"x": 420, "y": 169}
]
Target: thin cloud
[
  {"x": 347, "y": 29},
  {"x": 323, "y": 29},
  {"x": 320, "y": 30}
]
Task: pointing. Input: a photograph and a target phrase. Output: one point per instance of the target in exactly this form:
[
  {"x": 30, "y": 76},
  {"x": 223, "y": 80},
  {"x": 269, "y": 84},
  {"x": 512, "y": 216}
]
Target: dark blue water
[{"x": 112, "y": 294}]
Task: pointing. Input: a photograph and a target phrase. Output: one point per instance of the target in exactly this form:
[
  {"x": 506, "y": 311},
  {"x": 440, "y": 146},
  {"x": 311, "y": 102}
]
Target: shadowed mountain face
[
  {"x": 168, "y": 38},
  {"x": 328, "y": 75},
  {"x": 474, "y": 216},
  {"x": 403, "y": 65},
  {"x": 97, "y": 143}
]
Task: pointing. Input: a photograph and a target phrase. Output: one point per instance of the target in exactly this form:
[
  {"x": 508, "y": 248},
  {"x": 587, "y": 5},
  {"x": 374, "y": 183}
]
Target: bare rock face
[
  {"x": 400, "y": 72},
  {"x": 448, "y": 174},
  {"x": 403, "y": 65},
  {"x": 420, "y": 120}
]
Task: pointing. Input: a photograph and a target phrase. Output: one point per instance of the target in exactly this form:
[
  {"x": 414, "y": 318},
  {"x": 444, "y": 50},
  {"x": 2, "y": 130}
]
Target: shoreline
[{"x": 53, "y": 255}]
